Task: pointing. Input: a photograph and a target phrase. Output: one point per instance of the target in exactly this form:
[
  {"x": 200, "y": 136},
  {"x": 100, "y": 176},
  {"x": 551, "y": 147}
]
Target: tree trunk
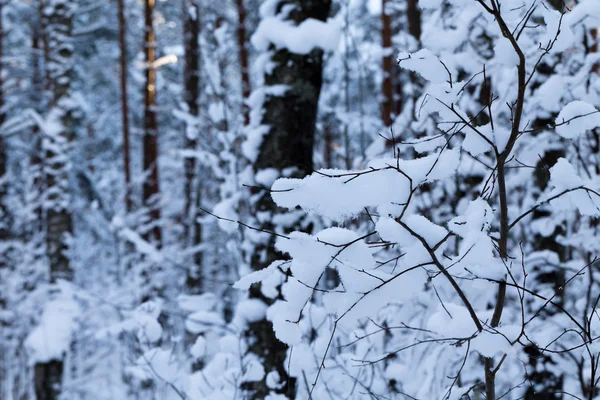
[
  {"x": 291, "y": 118},
  {"x": 191, "y": 77},
  {"x": 48, "y": 380},
  {"x": 124, "y": 105},
  {"x": 413, "y": 17},
  {"x": 244, "y": 63},
  {"x": 45, "y": 44},
  {"x": 4, "y": 226},
  {"x": 387, "y": 88},
  {"x": 151, "y": 188},
  {"x": 57, "y": 18},
  {"x": 594, "y": 47}
]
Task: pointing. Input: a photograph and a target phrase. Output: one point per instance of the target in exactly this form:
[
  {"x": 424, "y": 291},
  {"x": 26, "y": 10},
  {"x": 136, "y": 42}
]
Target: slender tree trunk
[
  {"x": 57, "y": 205},
  {"x": 151, "y": 188},
  {"x": 38, "y": 68},
  {"x": 191, "y": 77},
  {"x": 57, "y": 18},
  {"x": 4, "y": 224},
  {"x": 387, "y": 88},
  {"x": 291, "y": 118},
  {"x": 45, "y": 44},
  {"x": 124, "y": 103},
  {"x": 244, "y": 63},
  {"x": 594, "y": 47}
]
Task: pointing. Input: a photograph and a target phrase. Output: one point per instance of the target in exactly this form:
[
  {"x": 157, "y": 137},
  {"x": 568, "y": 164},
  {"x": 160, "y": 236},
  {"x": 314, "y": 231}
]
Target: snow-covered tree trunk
[
  {"x": 292, "y": 88},
  {"x": 4, "y": 228},
  {"x": 192, "y": 189},
  {"x": 58, "y": 134},
  {"x": 59, "y": 14}
]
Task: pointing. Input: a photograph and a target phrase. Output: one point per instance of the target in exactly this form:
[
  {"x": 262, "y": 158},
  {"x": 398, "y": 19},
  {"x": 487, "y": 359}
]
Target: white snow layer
[
  {"x": 52, "y": 336},
  {"x": 298, "y": 39},
  {"x": 576, "y": 118}
]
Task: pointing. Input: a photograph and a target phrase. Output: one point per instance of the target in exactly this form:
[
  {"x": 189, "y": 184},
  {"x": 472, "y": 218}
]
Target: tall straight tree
[
  {"x": 191, "y": 77},
  {"x": 3, "y": 211},
  {"x": 290, "y": 118},
  {"x": 58, "y": 18},
  {"x": 387, "y": 87},
  {"x": 151, "y": 188},
  {"x": 244, "y": 59},
  {"x": 124, "y": 103}
]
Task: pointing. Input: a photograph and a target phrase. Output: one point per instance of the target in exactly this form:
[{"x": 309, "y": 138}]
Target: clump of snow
[
  {"x": 426, "y": 64},
  {"x": 554, "y": 26},
  {"x": 267, "y": 177},
  {"x": 144, "y": 321},
  {"x": 492, "y": 343},
  {"x": 474, "y": 144},
  {"x": 298, "y": 39},
  {"x": 198, "y": 350},
  {"x": 202, "y": 321},
  {"x": 576, "y": 118},
  {"x": 52, "y": 337},
  {"x": 550, "y": 93},
  {"x": 248, "y": 311},
  {"x": 476, "y": 250},
  {"x": 564, "y": 176},
  {"x": 254, "y": 371},
  {"x": 338, "y": 194},
  {"x": 226, "y": 210}
]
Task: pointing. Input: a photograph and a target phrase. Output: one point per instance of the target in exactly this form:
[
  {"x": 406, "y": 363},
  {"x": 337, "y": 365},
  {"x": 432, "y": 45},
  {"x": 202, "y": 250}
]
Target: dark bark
[
  {"x": 124, "y": 102},
  {"x": 38, "y": 66},
  {"x": 151, "y": 188},
  {"x": 48, "y": 380},
  {"x": 413, "y": 16},
  {"x": 244, "y": 63},
  {"x": 3, "y": 160},
  {"x": 4, "y": 225},
  {"x": 57, "y": 19},
  {"x": 191, "y": 76},
  {"x": 594, "y": 47},
  {"x": 45, "y": 44},
  {"x": 291, "y": 118},
  {"x": 387, "y": 86},
  {"x": 59, "y": 222}
]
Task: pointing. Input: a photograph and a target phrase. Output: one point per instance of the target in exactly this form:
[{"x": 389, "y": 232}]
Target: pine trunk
[
  {"x": 151, "y": 188},
  {"x": 124, "y": 103},
  {"x": 191, "y": 77},
  {"x": 4, "y": 228},
  {"x": 244, "y": 63},
  {"x": 387, "y": 88}
]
